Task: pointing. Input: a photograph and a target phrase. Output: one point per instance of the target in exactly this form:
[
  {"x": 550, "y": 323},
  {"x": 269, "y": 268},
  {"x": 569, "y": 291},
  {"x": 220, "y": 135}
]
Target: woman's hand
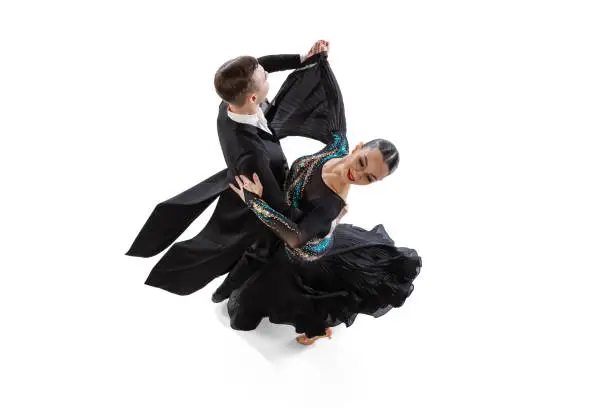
[{"x": 244, "y": 183}]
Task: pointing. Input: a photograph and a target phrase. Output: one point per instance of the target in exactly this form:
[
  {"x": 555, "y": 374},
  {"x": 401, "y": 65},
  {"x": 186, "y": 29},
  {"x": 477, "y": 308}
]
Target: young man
[{"x": 249, "y": 146}]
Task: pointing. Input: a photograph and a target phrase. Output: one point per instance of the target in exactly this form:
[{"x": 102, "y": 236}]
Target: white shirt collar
[
  {"x": 258, "y": 119},
  {"x": 242, "y": 118}
]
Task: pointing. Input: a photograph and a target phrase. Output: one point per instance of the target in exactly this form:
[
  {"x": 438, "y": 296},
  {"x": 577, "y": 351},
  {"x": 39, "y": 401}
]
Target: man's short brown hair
[{"x": 234, "y": 79}]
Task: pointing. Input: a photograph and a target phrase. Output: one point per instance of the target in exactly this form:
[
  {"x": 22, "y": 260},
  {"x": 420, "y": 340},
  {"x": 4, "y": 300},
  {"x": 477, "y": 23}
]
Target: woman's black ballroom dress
[{"x": 326, "y": 273}]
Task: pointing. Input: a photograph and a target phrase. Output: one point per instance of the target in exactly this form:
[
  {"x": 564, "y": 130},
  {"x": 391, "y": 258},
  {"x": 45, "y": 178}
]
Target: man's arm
[
  {"x": 282, "y": 62},
  {"x": 252, "y": 162}
]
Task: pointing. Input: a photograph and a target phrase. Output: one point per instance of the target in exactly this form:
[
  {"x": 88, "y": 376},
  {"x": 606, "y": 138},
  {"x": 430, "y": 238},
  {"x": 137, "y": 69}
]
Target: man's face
[{"x": 260, "y": 77}]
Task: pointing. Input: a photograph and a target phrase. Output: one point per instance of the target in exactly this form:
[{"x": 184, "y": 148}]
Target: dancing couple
[{"x": 276, "y": 232}]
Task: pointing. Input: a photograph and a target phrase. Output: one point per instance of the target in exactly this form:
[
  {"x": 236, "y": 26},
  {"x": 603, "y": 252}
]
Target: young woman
[{"x": 326, "y": 273}]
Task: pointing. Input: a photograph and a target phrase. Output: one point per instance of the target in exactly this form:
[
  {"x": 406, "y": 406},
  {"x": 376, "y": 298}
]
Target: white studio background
[{"x": 501, "y": 111}]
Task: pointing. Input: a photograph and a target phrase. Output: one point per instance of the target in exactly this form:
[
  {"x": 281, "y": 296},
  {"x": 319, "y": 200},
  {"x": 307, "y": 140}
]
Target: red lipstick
[{"x": 349, "y": 175}]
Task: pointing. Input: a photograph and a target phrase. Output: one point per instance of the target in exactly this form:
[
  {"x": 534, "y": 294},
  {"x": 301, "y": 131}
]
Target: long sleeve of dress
[{"x": 294, "y": 234}]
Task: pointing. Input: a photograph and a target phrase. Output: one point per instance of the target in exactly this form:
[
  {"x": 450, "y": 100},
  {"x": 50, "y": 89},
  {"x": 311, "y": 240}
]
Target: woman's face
[{"x": 365, "y": 166}]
